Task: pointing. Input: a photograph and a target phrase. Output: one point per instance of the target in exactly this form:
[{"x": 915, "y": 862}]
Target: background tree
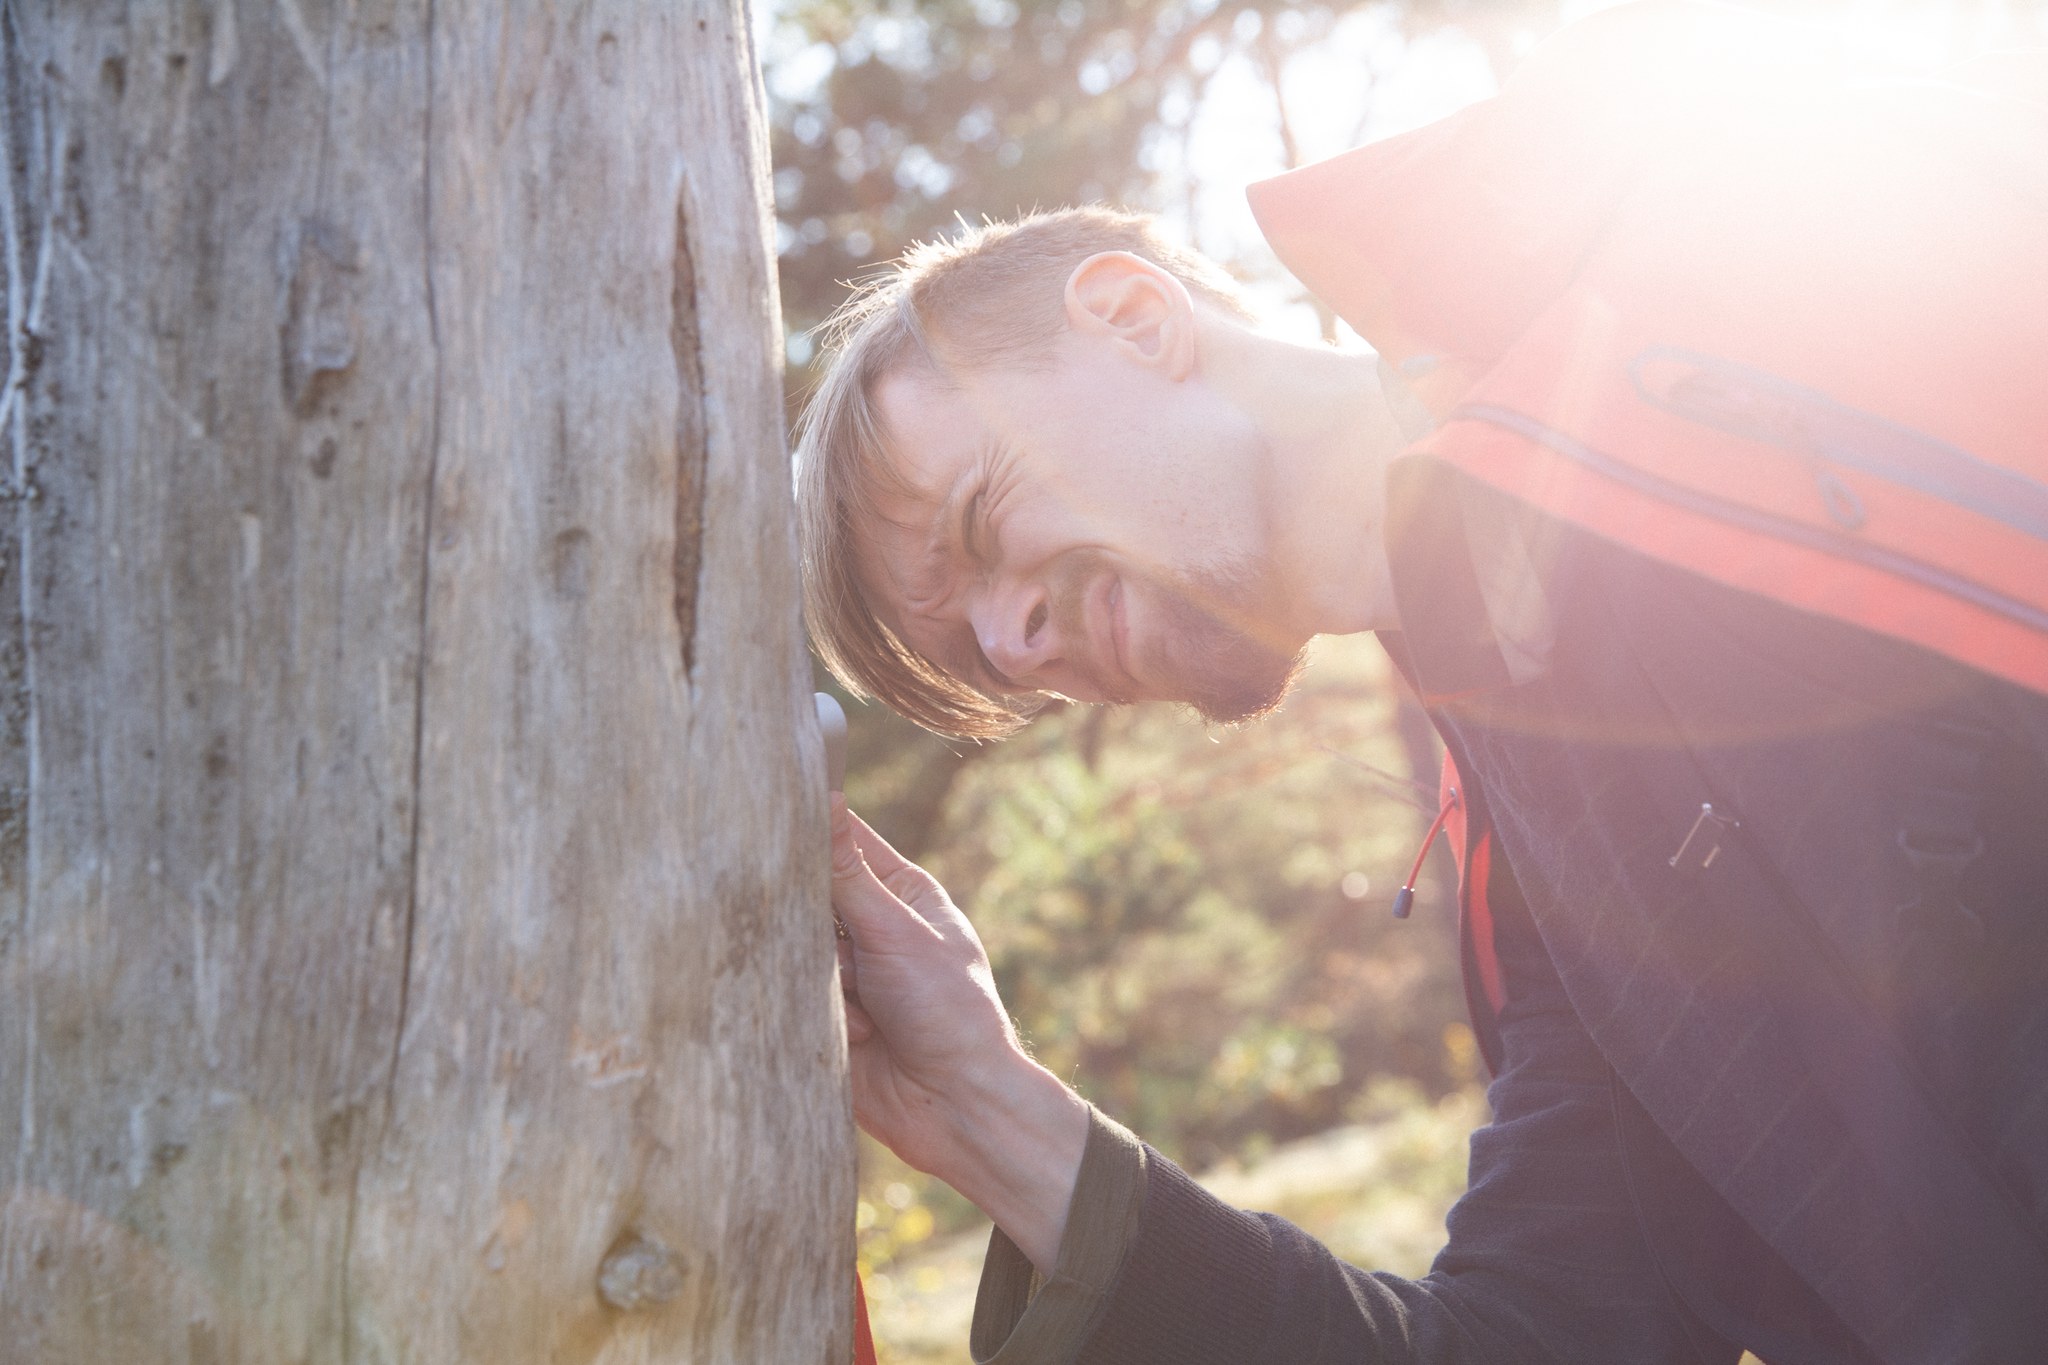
[
  {"x": 894, "y": 121},
  {"x": 412, "y": 883}
]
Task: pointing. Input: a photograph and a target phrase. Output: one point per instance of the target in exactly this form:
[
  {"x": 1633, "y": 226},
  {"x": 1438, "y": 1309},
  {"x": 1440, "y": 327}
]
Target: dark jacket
[{"x": 1794, "y": 1101}]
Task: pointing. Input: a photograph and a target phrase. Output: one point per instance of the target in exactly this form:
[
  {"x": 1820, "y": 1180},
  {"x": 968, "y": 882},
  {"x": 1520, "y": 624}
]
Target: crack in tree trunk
[
  {"x": 419, "y": 718},
  {"x": 22, "y": 298},
  {"x": 692, "y": 434},
  {"x": 419, "y": 723}
]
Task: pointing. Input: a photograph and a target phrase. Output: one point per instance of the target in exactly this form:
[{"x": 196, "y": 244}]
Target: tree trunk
[{"x": 413, "y": 942}]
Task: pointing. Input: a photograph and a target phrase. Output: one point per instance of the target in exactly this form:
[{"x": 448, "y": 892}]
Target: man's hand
[{"x": 938, "y": 1074}]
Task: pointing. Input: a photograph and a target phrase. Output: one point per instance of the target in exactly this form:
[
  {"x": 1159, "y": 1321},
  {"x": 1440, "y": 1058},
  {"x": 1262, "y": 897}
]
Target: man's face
[{"x": 1093, "y": 529}]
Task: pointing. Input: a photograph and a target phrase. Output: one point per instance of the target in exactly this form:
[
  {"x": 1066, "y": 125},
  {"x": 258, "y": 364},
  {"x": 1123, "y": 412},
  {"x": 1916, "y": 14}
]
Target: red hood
[{"x": 1447, "y": 242}]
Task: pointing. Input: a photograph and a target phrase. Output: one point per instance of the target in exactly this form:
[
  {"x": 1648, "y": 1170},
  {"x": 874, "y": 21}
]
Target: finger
[
  {"x": 908, "y": 882},
  {"x": 888, "y": 864},
  {"x": 903, "y": 877},
  {"x": 876, "y": 916}
]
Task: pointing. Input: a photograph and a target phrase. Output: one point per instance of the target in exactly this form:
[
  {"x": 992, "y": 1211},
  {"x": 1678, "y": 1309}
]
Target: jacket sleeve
[
  {"x": 1022, "y": 1318},
  {"x": 1545, "y": 1259}
]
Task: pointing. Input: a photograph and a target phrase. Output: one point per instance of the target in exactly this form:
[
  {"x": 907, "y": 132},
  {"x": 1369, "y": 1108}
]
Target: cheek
[
  {"x": 1052, "y": 516},
  {"x": 1164, "y": 486}
]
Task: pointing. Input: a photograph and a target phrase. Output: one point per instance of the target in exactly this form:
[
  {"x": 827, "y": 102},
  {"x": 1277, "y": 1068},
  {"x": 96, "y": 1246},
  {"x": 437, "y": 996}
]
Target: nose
[{"x": 1012, "y": 623}]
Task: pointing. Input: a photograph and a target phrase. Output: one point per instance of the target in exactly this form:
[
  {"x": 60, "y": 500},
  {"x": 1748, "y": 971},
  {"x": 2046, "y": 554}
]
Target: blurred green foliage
[{"x": 1191, "y": 924}]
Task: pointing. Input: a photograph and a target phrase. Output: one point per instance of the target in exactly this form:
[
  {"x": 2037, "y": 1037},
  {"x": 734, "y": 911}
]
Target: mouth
[
  {"x": 1094, "y": 609},
  {"x": 1116, "y": 642}
]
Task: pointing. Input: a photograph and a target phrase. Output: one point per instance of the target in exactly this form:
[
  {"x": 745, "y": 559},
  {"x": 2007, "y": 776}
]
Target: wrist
[{"x": 1016, "y": 1140}]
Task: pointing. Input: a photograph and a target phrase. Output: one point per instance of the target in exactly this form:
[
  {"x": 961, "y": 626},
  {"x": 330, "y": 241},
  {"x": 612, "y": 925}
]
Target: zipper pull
[
  {"x": 1404, "y": 899},
  {"x": 1702, "y": 843}
]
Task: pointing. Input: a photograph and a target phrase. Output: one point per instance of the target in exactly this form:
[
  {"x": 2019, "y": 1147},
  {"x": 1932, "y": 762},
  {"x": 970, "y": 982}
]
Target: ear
[{"x": 1136, "y": 306}]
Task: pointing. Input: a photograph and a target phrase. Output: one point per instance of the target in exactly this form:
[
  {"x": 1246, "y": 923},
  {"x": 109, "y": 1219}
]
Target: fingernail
[{"x": 839, "y": 821}]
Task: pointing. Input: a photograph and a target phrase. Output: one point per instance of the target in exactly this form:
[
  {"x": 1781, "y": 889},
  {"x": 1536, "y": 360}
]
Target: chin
[
  {"x": 1235, "y": 699},
  {"x": 1222, "y": 657}
]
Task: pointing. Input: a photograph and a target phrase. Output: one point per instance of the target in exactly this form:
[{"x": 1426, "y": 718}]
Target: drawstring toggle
[{"x": 1404, "y": 899}]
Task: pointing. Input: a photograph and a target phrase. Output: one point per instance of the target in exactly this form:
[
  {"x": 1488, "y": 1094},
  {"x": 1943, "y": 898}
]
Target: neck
[{"x": 1328, "y": 435}]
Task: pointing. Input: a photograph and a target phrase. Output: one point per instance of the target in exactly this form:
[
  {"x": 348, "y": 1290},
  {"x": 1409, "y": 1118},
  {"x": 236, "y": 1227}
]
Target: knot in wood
[
  {"x": 638, "y": 1273},
  {"x": 319, "y": 263}
]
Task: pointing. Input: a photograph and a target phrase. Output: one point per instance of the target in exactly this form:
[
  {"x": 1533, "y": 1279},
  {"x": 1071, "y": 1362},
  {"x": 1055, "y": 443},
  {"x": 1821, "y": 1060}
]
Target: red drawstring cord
[
  {"x": 1404, "y": 899},
  {"x": 863, "y": 1337}
]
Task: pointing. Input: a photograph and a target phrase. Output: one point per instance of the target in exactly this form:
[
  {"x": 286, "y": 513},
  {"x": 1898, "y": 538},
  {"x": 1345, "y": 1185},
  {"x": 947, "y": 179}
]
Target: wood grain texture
[{"x": 413, "y": 941}]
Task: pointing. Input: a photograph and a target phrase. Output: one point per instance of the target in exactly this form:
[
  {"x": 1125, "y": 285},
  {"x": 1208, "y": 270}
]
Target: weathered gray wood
[{"x": 411, "y": 861}]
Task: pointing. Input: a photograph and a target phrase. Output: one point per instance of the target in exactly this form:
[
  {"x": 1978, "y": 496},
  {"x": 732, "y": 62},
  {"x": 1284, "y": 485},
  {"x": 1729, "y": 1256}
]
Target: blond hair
[{"x": 992, "y": 296}]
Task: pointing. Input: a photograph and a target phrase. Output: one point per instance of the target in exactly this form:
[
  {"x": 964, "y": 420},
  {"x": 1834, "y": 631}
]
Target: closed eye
[
  {"x": 997, "y": 480},
  {"x": 974, "y": 526}
]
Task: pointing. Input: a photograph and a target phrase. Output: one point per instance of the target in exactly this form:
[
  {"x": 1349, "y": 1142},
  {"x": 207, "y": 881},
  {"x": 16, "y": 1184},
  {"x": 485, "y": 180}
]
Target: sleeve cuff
[{"x": 1023, "y": 1319}]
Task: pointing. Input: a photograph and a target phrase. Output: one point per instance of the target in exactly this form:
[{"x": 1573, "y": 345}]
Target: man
[{"x": 1720, "y": 572}]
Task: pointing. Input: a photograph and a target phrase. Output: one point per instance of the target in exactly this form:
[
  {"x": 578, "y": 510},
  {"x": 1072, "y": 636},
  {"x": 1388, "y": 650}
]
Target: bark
[{"x": 413, "y": 942}]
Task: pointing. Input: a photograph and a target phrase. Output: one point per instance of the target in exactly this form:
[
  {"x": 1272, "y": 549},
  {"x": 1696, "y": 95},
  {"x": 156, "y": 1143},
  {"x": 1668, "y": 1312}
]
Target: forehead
[{"x": 931, "y": 431}]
